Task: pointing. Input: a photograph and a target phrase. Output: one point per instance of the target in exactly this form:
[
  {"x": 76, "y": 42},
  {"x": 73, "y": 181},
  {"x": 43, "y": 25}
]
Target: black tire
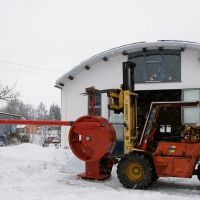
[
  {"x": 155, "y": 177},
  {"x": 198, "y": 174},
  {"x": 105, "y": 167},
  {"x": 135, "y": 171}
]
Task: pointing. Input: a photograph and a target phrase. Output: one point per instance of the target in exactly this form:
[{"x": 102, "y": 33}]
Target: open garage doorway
[{"x": 145, "y": 97}]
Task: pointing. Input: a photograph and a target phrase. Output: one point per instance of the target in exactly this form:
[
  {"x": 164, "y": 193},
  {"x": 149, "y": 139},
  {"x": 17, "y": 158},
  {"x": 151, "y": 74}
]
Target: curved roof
[{"x": 165, "y": 44}]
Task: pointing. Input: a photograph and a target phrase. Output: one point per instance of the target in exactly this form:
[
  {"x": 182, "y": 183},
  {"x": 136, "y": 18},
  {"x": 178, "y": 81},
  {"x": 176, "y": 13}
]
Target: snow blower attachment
[{"x": 92, "y": 139}]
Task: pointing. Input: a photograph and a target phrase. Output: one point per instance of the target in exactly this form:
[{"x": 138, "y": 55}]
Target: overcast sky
[{"x": 42, "y": 39}]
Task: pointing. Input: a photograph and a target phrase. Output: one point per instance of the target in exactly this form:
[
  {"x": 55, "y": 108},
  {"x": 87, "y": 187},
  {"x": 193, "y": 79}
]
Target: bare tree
[
  {"x": 7, "y": 93},
  {"x": 17, "y": 106}
]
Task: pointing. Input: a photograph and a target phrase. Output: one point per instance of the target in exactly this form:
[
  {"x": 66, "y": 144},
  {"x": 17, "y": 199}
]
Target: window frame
[
  {"x": 96, "y": 106},
  {"x": 183, "y": 99},
  {"x": 162, "y": 54},
  {"x": 119, "y": 137}
]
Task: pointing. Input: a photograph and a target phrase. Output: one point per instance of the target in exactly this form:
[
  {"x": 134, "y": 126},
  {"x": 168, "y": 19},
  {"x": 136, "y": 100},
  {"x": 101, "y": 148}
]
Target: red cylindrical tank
[{"x": 91, "y": 138}]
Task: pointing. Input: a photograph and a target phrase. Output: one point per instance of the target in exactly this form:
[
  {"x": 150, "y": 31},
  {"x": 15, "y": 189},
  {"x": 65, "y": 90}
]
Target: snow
[{"x": 31, "y": 172}]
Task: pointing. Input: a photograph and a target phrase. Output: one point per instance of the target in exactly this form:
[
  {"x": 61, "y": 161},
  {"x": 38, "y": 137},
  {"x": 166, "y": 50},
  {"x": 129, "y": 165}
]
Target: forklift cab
[{"x": 164, "y": 123}]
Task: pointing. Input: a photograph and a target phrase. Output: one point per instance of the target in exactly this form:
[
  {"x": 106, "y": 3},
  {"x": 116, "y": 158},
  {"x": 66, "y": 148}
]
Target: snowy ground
[{"x": 29, "y": 172}]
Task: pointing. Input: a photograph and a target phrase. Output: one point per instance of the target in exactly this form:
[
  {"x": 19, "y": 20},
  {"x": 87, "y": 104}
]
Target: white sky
[{"x": 57, "y": 34}]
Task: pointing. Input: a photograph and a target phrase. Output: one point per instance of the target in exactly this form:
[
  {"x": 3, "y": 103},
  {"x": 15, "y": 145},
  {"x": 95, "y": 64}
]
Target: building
[
  {"x": 165, "y": 71},
  {"x": 27, "y": 129},
  {"x": 8, "y": 129}
]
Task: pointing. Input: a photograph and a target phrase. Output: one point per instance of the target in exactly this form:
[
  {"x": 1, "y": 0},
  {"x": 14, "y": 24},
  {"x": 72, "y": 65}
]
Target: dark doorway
[{"x": 145, "y": 97}]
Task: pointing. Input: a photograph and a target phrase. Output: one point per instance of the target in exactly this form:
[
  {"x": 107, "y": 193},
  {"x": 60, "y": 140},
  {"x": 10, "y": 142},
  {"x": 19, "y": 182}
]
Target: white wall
[
  {"x": 191, "y": 69},
  {"x": 105, "y": 75}
]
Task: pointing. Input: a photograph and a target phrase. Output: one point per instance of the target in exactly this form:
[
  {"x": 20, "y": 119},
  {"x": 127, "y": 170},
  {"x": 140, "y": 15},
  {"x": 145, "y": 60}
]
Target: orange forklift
[{"x": 169, "y": 150}]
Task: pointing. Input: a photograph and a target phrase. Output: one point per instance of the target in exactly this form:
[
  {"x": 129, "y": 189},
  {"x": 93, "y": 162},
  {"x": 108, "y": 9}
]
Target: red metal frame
[
  {"x": 36, "y": 122},
  {"x": 176, "y": 159}
]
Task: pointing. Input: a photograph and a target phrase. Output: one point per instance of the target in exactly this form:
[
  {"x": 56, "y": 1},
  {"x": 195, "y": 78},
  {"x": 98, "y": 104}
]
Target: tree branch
[{"x": 7, "y": 93}]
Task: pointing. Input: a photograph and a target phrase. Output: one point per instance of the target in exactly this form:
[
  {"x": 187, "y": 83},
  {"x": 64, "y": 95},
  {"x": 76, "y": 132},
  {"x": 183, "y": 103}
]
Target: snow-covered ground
[{"x": 28, "y": 172}]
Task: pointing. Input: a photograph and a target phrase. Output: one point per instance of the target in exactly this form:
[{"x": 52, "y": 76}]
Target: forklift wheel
[
  {"x": 135, "y": 171},
  {"x": 155, "y": 177},
  {"x": 198, "y": 174}
]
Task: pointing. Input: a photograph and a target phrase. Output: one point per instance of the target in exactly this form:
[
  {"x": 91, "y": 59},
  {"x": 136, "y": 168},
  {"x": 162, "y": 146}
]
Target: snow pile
[{"x": 29, "y": 171}]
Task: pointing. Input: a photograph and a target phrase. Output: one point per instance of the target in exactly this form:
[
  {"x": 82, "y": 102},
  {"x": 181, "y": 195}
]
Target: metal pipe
[{"x": 36, "y": 122}]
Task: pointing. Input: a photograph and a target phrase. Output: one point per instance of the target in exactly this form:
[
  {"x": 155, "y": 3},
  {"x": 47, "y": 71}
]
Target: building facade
[
  {"x": 8, "y": 129},
  {"x": 165, "y": 71}
]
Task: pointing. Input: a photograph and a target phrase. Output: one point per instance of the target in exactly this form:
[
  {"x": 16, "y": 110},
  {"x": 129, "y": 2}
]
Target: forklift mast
[
  {"x": 125, "y": 101},
  {"x": 128, "y": 76}
]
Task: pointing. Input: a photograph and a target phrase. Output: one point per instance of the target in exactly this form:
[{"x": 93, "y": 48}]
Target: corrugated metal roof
[
  {"x": 4, "y": 113},
  {"x": 165, "y": 44}
]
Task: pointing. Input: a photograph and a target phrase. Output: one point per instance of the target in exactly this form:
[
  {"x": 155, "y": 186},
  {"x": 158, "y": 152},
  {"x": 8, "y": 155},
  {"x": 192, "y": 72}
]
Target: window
[
  {"x": 172, "y": 68},
  {"x": 157, "y": 66},
  {"x": 191, "y": 115},
  {"x": 97, "y": 105},
  {"x": 117, "y": 121},
  {"x": 165, "y": 128},
  {"x": 153, "y": 68}
]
